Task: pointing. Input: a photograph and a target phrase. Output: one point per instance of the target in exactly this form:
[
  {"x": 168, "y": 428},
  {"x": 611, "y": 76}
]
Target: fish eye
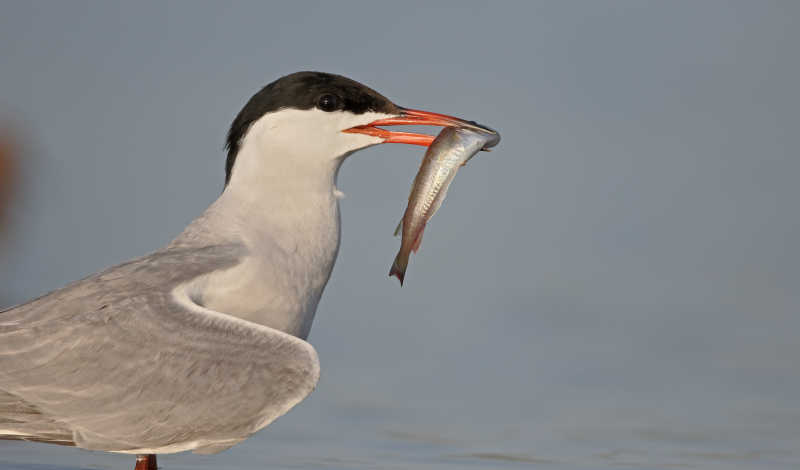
[{"x": 328, "y": 102}]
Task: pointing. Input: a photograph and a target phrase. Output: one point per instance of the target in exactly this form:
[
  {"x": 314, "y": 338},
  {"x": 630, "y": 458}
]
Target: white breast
[
  {"x": 281, "y": 203},
  {"x": 280, "y": 282}
]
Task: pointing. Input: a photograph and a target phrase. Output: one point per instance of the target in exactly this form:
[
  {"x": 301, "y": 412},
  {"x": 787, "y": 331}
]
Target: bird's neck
[
  {"x": 285, "y": 196},
  {"x": 288, "y": 219}
]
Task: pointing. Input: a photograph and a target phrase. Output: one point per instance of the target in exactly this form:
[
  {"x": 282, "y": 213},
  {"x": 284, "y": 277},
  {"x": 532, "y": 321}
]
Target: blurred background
[{"x": 615, "y": 286}]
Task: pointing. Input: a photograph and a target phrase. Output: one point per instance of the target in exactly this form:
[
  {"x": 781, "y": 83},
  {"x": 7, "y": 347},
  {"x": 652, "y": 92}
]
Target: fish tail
[{"x": 399, "y": 266}]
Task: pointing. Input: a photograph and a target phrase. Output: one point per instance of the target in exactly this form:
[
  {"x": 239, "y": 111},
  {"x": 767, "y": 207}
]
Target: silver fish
[{"x": 451, "y": 150}]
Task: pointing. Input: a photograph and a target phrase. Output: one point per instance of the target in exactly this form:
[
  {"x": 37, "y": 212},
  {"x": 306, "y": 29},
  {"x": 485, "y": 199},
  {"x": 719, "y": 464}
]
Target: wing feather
[{"x": 125, "y": 361}]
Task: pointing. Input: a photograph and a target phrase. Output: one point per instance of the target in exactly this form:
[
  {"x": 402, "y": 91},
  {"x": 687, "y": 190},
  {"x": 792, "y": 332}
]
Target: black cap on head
[{"x": 304, "y": 90}]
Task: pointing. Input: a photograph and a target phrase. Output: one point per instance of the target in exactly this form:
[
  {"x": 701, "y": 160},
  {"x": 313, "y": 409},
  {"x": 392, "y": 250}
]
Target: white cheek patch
[
  {"x": 297, "y": 143},
  {"x": 349, "y": 120},
  {"x": 313, "y": 133}
]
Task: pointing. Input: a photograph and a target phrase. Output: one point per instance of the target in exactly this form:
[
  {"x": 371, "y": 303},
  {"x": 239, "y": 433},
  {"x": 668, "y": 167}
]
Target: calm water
[{"x": 610, "y": 397}]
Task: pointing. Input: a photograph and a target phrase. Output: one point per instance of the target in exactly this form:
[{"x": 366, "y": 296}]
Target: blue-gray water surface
[{"x": 614, "y": 286}]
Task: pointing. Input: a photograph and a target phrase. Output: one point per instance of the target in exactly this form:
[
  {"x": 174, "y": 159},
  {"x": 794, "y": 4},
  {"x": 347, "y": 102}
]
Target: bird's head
[{"x": 312, "y": 119}]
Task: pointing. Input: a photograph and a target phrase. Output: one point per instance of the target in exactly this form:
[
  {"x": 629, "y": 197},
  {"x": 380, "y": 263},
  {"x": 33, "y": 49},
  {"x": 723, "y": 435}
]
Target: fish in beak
[
  {"x": 452, "y": 148},
  {"x": 414, "y": 117}
]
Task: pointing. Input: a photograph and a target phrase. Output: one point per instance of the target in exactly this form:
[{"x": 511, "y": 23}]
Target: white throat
[{"x": 281, "y": 202}]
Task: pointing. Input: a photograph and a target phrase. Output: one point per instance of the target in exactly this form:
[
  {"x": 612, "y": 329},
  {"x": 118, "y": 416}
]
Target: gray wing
[{"x": 117, "y": 362}]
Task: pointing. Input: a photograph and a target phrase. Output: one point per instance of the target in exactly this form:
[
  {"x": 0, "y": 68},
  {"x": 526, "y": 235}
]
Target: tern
[{"x": 200, "y": 344}]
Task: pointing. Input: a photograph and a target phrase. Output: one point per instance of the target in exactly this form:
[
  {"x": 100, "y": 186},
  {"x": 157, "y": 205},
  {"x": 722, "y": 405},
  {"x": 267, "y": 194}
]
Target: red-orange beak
[{"x": 413, "y": 117}]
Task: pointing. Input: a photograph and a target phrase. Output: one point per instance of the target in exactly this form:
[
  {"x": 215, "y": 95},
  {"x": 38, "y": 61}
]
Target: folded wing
[{"x": 125, "y": 361}]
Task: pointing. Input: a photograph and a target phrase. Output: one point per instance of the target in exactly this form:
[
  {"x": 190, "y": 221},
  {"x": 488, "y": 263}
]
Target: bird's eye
[{"x": 328, "y": 102}]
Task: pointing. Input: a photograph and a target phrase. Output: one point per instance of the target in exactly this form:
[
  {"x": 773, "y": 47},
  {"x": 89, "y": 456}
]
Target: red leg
[{"x": 146, "y": 462}]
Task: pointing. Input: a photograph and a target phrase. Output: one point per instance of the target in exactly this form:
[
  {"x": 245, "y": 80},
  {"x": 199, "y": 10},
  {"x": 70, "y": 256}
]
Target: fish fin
[
  {"x": 399, "y": 267},
  {"x": 418, "y": 241},
  {"x": 399, "y": 228}
]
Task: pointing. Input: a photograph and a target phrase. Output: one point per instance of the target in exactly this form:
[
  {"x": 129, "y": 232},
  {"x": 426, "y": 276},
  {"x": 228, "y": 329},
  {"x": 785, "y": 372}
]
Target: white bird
[{"x": 202, "y": 343}]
